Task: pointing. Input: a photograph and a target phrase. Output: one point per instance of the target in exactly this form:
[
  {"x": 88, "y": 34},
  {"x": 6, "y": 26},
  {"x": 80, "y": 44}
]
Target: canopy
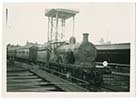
[{"x": 62, "y": 13}]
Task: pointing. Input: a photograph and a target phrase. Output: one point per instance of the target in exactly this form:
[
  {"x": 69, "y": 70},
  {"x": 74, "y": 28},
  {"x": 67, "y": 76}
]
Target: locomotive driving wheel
[
  {"x": 98, "y": 78},
  {"x": 95, "y": 78}
]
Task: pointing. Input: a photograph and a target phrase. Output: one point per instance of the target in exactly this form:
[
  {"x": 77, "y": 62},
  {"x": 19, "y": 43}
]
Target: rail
[
  {"x": 67, "y": 85},
  {"x": 114, "y": 64},
  {"x": 59, "y": 82}
]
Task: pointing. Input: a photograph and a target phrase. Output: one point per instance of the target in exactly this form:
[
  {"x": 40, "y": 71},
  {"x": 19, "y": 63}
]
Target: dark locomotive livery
[
  {"x": 78, "y": 60},
  {"x": 73, "y": 59},
  {"x": 83, "y": 54}
]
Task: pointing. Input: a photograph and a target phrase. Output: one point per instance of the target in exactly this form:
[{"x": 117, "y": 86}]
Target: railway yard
[
  {"x": 23, "y": 77},
  {"x": 61, "y": 66}
]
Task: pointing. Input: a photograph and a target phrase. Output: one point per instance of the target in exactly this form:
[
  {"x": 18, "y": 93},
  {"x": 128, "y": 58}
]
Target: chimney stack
[{"x": 85, "y": 37}]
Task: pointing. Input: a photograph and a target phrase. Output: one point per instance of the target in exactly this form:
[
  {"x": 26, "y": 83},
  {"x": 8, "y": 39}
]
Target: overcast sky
[{"x": 112, "y": 21}]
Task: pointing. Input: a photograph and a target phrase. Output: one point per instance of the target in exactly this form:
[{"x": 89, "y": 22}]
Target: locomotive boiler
[
  {"x": 83, "y": 54},
  {"x": 78, "y": 60}
]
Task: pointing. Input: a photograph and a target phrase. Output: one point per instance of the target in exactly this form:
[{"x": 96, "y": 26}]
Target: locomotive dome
[{"x": 72, "y": 40}]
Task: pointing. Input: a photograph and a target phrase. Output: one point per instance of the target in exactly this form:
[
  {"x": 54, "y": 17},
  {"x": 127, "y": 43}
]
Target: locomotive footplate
[{"x": 86, "y": 73}]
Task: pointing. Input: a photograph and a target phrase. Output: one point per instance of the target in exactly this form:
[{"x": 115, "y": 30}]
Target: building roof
[
  {"x": 62, "y": 13},
  {"x": 119, "y": 46}
]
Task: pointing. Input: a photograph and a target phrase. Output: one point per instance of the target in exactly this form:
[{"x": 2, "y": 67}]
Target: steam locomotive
[{"x": 75, "y": 60}]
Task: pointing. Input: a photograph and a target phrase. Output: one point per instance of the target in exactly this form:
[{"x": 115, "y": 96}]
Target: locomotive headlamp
[{"x": 105, "y": 63}]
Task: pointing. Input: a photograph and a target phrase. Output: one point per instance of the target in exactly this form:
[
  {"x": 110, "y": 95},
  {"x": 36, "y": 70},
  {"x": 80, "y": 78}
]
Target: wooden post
[
  {"x": 51, "y": 28},
  {"x": 48, "y": 29},
  {"x": 63, "y": 27},
  {"x": 73, "y": 25},
  {"x": 6, "y": 15},
  {"x": 56, "y": 36}
]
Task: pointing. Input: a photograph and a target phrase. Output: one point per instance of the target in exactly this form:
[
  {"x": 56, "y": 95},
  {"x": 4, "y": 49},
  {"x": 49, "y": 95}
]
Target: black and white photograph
[{"x": 69, "y": 47}]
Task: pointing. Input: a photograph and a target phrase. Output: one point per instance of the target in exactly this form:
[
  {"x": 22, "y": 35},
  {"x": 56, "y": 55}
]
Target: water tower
[{"x": 56, "y": 21}]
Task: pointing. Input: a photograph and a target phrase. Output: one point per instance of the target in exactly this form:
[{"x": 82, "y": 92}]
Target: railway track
[
  {"x": 113, "y": 82},
  {"x": 24, "y": 77},
  {"x": 20, "y": 79}
]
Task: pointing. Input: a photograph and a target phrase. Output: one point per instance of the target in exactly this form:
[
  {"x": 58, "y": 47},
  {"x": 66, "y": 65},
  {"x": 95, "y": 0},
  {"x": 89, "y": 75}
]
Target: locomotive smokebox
[{"x": 85, "y": 37}]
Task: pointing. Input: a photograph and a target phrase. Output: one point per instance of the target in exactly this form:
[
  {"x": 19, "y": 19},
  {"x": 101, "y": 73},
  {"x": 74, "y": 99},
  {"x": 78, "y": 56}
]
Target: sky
[{"x": 113, "y": 22}]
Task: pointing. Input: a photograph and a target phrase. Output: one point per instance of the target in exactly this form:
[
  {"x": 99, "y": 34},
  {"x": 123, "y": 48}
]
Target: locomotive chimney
[{"x": 85, "y": 37}]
